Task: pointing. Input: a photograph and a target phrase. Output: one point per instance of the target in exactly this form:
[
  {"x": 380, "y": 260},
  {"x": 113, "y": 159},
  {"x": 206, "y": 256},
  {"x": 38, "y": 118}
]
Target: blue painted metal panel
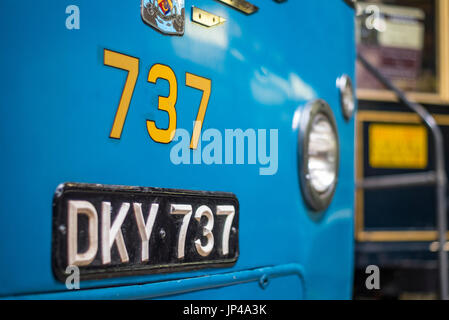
[
  {"x": 262, "y": 283},
  {"x": 58, "y": 102}
]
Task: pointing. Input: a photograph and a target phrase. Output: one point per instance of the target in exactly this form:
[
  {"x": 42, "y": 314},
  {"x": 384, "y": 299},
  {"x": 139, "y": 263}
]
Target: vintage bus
[{"x": 191, "y": 149}]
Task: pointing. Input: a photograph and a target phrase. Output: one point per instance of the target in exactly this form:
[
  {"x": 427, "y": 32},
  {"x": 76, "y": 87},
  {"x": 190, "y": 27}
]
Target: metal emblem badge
[{"x": 166, "y": 16}]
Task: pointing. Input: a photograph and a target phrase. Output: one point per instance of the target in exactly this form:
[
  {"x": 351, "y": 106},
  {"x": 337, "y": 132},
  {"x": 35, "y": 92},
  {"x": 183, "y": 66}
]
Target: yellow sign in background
[{"x": 397, "y": 146}]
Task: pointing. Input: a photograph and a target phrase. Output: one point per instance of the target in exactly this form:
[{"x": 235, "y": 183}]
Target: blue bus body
[{"x": 58, "y": 101}]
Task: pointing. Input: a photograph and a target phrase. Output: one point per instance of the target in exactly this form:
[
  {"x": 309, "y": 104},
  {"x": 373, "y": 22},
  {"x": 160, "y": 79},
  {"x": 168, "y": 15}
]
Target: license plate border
[{"x": 133, "y": 270}]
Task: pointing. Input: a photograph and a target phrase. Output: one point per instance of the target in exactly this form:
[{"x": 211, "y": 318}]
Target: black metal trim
[{"x": 350, "y": 3}]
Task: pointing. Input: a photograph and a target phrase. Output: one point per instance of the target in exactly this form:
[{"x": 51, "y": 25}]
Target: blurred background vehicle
[{"x": 396, "y": 228}]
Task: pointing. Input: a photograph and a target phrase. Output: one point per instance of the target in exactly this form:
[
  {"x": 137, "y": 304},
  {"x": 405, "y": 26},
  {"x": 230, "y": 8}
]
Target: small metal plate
[
  {"x": 398, "y": 146},
  {"x": 241, "y": 5},
  {"x": 179, "y": 238},
  {"x": 206, "y": 18}
]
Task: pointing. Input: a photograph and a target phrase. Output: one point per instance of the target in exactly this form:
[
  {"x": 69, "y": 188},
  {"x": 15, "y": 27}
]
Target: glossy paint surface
[{"x": 58, "y": 102}]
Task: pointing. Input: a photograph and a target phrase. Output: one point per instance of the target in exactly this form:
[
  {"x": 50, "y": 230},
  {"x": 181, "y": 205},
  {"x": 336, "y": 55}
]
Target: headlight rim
[
  {"x": 343, "y": 82},
  {"x": 315, "y": 200}
]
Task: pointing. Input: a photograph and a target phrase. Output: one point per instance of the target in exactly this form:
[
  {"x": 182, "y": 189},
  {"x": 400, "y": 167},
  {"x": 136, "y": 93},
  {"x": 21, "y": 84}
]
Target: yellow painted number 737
[{"x": 167, "y": 104}]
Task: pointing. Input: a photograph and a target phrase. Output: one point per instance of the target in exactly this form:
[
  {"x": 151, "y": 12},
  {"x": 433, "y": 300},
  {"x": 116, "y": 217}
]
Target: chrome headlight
[
  {"x": 347, "y": 98},
  {"x": 318, "y": 152}
]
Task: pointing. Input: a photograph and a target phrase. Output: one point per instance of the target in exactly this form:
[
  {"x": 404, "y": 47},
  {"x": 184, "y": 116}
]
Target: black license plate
[{"x": 110, "y": 231}]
